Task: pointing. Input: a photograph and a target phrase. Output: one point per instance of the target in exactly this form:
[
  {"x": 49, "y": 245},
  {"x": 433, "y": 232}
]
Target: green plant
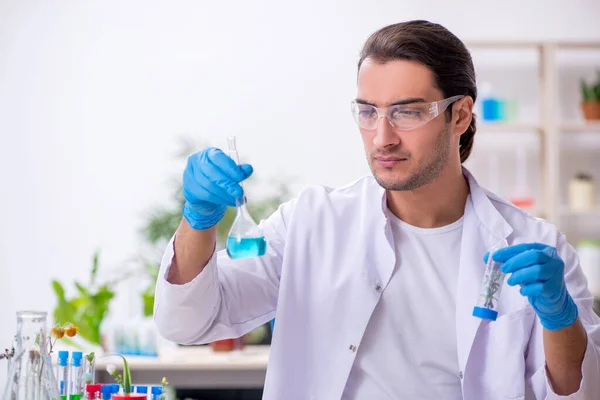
[
  {"x": 591, "y": 91},
  {"x": 123, "y": 380},
  {"x": 88, "y": 308},
  {"x": 163, "y": 221}
]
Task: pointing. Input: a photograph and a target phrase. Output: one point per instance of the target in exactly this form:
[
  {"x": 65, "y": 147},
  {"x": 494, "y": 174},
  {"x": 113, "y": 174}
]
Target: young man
[{"x": 373, "y": 284}]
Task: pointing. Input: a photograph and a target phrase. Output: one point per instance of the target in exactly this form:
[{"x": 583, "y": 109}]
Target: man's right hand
[{"x": 210, "y": 184}]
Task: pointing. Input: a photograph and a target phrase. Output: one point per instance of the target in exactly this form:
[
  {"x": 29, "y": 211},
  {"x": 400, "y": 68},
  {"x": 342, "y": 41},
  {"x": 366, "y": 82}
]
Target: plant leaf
[
  {"x": 586, "y": 91},
  {"x": 58, "y": 289},
  {"x": 126, "y": 375},
  {"x": 95, "y": 262},
  {"x": 126, "y": 372},
  {"x": 84, "y": 292}
]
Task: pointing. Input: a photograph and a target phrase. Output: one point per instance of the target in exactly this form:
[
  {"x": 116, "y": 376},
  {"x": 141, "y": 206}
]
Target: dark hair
[{"x": 438, "y": 49}]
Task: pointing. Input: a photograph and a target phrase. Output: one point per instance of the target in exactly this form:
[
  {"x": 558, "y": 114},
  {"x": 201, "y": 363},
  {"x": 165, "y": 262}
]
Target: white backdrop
[{"x": 94, "y": 95}]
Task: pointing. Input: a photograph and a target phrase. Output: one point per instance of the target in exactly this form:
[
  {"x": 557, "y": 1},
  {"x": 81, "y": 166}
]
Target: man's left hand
[{"x": 539, "y": 270}]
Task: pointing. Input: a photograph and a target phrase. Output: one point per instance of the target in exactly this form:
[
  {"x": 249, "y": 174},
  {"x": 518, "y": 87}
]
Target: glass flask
[
  {"x": 30, "y": 374},
  {"x": 245, "y": 238}
]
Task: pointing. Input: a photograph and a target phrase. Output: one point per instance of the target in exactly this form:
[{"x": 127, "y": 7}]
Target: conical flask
[
  {"x": 30, "y": 374},
  {"x": 245, "y": 238}
]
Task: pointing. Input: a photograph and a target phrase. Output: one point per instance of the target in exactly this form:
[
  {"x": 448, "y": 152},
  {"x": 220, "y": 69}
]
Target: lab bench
[{"x": 196, "y": 367}]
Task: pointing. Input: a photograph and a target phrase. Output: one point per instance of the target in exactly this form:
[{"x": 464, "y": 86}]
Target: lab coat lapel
[
  {"x": 381, "y": 253},
  {"x": 483, "y": 227}
]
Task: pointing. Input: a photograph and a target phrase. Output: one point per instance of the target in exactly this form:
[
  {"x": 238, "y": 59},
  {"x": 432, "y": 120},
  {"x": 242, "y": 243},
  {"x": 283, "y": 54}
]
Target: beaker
[
  {"x": 245, "y": 238},
  {"x": 30, "y": 374},
  {"x": 491, "y": 286}
]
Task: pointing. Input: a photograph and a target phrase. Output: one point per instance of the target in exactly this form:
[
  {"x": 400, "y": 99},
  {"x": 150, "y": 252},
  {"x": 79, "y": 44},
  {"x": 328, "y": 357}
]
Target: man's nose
[{"x": 385, "y": 134}]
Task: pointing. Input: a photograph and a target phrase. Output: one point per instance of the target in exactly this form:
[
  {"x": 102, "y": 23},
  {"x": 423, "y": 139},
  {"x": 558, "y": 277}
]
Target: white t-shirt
[{"x": 409, "y": 348}]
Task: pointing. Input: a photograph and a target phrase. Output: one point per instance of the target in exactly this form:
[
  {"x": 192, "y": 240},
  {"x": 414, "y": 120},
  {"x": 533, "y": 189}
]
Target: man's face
[{"x": 403, "y": 160}]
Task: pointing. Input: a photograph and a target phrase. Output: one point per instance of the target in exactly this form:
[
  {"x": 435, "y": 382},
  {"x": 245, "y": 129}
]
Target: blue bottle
[{"x": 492, "y": 107}]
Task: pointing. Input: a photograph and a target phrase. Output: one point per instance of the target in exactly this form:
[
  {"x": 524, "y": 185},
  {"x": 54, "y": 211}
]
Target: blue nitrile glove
[
  {"x": 540, "y": 272},
  {"x": 210, "y": 184}
]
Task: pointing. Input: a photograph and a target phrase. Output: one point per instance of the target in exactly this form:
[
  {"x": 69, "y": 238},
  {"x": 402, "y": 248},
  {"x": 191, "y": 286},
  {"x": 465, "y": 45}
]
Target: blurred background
[{"x": 101, "y": 102}]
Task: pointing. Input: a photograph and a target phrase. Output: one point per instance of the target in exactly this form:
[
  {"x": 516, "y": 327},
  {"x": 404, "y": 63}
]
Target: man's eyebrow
[{"x": 410, "y": 100}]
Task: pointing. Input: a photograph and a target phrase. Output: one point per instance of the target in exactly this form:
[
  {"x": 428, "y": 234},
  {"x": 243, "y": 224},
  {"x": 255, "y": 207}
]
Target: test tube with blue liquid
[
  {"x": 62, "y": 374},
  {"x": 491, "y": 286},
  {"x": 245, "y": 238}
]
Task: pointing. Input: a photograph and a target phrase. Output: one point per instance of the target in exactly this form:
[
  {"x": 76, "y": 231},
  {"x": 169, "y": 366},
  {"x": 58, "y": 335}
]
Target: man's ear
[{"x": 463, "y": 114}]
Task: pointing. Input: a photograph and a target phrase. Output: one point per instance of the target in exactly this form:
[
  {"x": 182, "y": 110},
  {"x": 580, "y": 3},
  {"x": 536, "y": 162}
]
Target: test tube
[
  {"x": 89, "y": 370},
  {"x": 76, "y": 388},
  {"x": 62, "y": 373},
  {"x": 491, "y": 286}
]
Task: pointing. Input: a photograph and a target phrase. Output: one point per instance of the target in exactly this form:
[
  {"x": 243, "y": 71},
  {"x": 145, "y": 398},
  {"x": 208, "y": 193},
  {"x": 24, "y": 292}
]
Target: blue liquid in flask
[
  {"x": 245, "y": 240},
  {"x": 246, "y": 247}
]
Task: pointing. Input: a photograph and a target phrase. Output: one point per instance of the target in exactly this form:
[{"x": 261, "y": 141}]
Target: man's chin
[{"x": 390, "y": 181}]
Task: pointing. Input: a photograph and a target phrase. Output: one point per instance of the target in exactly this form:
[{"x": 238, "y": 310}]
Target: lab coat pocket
[{"x": 503, "y": 366}]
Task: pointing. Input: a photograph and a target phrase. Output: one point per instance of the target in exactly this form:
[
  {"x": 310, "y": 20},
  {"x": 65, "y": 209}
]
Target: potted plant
[
  {"x": 591, "y": 99},
  {"x": 125, "y": 381}
]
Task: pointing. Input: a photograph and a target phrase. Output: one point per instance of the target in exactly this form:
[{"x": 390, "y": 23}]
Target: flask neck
[
  {"x": 31, "y": 330},
  {"x": 241, "y": 202},
  {"x": 242, "y": 209}
]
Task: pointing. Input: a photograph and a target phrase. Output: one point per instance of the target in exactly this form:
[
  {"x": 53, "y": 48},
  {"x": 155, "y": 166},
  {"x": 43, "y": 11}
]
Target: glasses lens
[
  {"x": 365, "y": 115},
  {"x": 406, "y": 117}
]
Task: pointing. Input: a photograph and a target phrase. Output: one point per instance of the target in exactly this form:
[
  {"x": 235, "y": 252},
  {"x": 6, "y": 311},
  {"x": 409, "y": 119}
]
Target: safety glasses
[{"x": 403, "y": 117}]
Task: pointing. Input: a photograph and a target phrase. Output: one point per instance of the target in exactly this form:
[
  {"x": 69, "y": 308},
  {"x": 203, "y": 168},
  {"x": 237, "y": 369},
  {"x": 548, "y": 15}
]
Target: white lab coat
[{"x": 330, "y": 253}]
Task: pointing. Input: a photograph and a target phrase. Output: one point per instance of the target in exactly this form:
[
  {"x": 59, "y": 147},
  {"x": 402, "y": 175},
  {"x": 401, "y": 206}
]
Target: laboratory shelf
[
  {"x": 579, "y": 127},
  {"x": 565, "y": 211},
  {"x": 581, "y": 140},
  {"x": 504, "y": 127},
  {"x": 563, "y": 140}
]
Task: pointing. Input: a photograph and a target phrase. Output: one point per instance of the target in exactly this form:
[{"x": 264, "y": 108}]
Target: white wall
[{"x": 93, "y": 96}]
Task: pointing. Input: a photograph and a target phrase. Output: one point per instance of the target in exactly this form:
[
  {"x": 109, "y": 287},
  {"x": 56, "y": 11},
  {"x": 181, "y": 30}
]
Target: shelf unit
[
  {"x": 565, "y": 211},
  {"x": 507, "y": 127},
  {"x": 556, "y": 137}
]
